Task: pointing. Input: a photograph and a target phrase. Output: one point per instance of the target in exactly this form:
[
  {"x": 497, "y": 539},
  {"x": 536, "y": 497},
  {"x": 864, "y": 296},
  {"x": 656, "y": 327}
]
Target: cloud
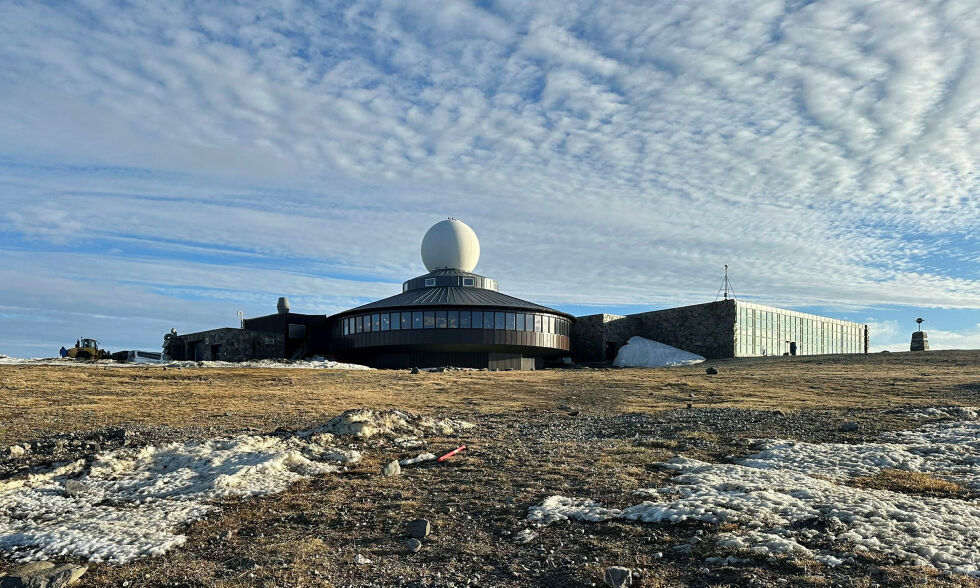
[{"x": 610, "y": 155}]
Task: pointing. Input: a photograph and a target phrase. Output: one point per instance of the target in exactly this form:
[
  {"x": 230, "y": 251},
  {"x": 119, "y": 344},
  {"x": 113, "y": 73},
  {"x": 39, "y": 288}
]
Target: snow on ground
[
  {"x": 130, "y": 503},
  {"x": 261, "y": 363},
  {"x": 950, "y": 450},
  {"x": 781, "y": 508},
  {"x": 640, "y": 352},
  {"x": 364, "y": 422}
]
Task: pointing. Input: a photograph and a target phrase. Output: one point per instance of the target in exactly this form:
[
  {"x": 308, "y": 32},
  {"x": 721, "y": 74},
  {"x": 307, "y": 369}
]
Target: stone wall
[
  {"x": 591, "y": 334},
  {"x": 705, "y": 329},
  {"x": 225, "y": 345}
]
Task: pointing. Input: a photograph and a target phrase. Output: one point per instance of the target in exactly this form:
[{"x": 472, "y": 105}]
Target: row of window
[
  {"x": 763, "y": 332},
  {"x": 456, "y": 319}
]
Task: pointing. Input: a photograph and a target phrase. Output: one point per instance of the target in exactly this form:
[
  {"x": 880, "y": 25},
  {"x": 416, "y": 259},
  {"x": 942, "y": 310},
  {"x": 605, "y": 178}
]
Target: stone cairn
[{"x": 920, "y": 341}]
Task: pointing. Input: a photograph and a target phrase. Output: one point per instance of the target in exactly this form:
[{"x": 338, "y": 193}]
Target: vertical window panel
[
  {"x": 417, "y": 319},
  {"x": 452, "y": 319},
  {"x": 498, "y": 320},
  {"x": 441, "y": 319},
  {"x": 428, "y": 319},
  {"x": 477, "y": 319},
  {"x": 487, "y": 320},
  {"x": 386, "y": 322},
  {"x": 464, "y": 319},
  {"x": 520, "y": 322},
  {"x": 511, "y": 321}
]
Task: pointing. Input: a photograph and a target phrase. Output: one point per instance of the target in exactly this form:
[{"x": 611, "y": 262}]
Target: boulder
[
  {"x": 392, "y": 469},
  {"x": 617, "y": 576},
  {"x": 711, "y": 371},
  {"x": 419, "y": 528},
  {"x": 43, "y": 574},
  {"x": 413, "y": 545}
]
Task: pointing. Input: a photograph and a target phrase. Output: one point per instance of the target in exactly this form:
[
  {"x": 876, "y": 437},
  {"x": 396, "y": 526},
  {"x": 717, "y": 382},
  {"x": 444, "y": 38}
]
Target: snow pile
[
  {"x": 261, "y": 363},
  {"x": 129, "y": 503},
  {"x": 781, "y": 508},
  {"x": 640, "y": 352},
  {"x": 364, "y": 422},
  {"x": 272, "y": 364}
]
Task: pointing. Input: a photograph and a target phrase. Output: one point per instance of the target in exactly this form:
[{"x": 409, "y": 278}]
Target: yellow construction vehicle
[{"x": 87, "y": 349}]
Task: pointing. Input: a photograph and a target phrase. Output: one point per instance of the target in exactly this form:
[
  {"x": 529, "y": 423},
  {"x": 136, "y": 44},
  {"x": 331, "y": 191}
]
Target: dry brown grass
[
  {"x": 37, "y": 400},
  {"x": 910, "y": 483},
  {"x": 309, "y": 535}
]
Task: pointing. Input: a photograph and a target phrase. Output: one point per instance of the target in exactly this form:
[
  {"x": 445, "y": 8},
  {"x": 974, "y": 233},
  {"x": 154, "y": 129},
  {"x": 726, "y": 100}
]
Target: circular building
[{"x": 451, "y": 317}]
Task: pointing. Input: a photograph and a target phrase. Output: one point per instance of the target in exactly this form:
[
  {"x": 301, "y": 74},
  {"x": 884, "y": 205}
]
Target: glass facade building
[{"x": 765, "y": 330}]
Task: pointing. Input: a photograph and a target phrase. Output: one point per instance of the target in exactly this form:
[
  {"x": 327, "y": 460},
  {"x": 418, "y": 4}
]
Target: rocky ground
[{"x": 598, "y": 434}]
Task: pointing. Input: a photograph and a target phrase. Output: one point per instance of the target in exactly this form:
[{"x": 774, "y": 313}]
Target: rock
[
  {"x": 419, "y": 528},
  {"x": 415, "y": 370},
  {"x": 392, "y": 469},
  {"x": 711, "y": 371},
  {"x": 75, "y": 488},
  {"x": 849, "y": 427},
  {"x": 16, "y": 451},
  {"x": 42, "y": 574},
  {"x": 617, "y": 576},
  {"x": 413, "y": 545},
  {"x": 525, "y": 536},
  {"x": 361, "y": 560}
]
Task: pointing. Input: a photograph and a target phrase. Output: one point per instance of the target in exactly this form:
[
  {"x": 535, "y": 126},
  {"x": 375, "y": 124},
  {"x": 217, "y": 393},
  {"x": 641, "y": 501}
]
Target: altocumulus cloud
[{"x": 179, "y": 160}]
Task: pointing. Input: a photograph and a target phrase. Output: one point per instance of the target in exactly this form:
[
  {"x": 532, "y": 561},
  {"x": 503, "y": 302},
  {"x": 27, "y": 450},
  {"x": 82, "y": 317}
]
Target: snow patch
[
  {"x": 262, "y": 363},
  {"x": 640, "y": 352},
  {"x": 130, "y": 503},
  {"x": 781, "y": 508},
  {"x": 949, "y": 450},
  {"x": 417, "y": 459},
  {"x": 365, "y": 422}
]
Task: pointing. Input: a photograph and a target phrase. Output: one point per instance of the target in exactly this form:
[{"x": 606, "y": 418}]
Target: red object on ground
[{"x": 452, "y": 453}]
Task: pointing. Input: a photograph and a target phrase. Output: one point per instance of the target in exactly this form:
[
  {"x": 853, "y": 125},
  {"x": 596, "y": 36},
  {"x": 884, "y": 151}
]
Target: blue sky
[{"x": 169, "y": 164}]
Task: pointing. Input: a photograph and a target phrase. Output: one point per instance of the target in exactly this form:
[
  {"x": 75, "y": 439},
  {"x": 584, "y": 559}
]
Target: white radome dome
[{"x": 450, "y": 244}]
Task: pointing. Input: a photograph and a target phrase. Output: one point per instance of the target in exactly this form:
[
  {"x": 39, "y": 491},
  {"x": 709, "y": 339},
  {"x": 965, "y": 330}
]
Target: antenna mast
[{"x": 726, "y": 285}]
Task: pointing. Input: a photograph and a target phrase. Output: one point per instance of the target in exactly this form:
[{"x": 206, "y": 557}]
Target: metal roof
[{"x": 455, "y": 296}]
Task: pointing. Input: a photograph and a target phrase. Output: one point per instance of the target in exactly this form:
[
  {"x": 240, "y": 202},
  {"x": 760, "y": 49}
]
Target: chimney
[{"x": 283, "y": 305}]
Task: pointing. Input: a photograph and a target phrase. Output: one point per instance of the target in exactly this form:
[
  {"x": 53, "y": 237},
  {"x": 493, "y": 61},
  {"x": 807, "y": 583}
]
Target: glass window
[
  {"x": 346, "y": 327},
  {"x": 511, "y": 321},
  {"x": 429, "y": 282},
  {"x": 375, "y": 322},
  {"x": 428, "y": 319},
  {"x": 452, "y": 319},
  {"x": 385, "y": 322},
  {"x": 477, "y": 319},
  {"x": 440, "y": 319},
  {"x": 487, "y": 320},
  {"x": 499, "y": 320},
  {"x": 520, "y": 322},
  {"x": 358, "y": 325},
  {"x": 551, "y": 324},
  {"x": 396, "y": 322},
  {"x": 467, "y": 281},
  {"x": 406, "y": 320},
  {"x": 538, "y": 323},
  {"x": 464, "y": 319},
  {"x": 417, "y": 320}
]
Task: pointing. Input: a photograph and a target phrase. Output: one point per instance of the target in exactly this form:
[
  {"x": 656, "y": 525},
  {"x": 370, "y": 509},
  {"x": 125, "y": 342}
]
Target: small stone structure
[
  {"x": 226, "y": 344},
  {"x": 920, "y": 341}
]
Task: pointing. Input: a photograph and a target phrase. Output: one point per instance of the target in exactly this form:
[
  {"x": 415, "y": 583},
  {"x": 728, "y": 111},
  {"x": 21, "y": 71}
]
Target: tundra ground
[{"x": 593, "y": 433}]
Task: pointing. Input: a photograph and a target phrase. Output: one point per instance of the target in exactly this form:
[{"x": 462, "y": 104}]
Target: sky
[{"x": 168, "y": 164}]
